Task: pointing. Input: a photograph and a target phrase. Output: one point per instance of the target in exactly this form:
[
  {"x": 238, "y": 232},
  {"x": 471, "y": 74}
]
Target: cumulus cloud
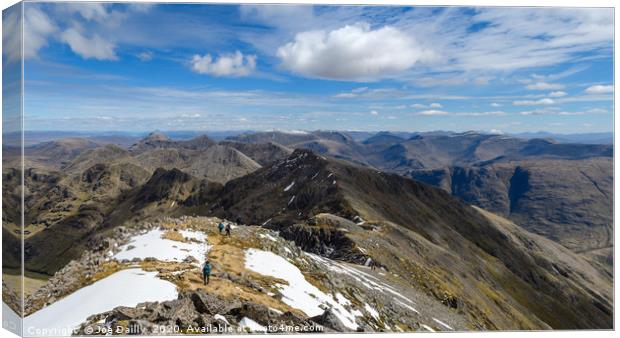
[
  {"x": 93, "y": 47},
  {"x": 235, "y": 64},
  {"x": 557, "y": 94},
  {"x": 374, "y": 113},
  {"x": 435, "y": 105},
  {"x": 600, "y": 89},
  {"x": 544, "y": 86},
  {"x": 495, "y": 104},
  {"x": 353, "y": 52},
  {"x": 541, "y": 102},
  {"x": 37, "y": 28}
]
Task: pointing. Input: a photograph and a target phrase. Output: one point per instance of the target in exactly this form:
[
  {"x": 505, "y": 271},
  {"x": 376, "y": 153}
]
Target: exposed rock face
[
  {"x": 192, "y": 312},
  {"x": 565, "y": 200},
  {"x": 328, "y": 242},
  {"x": 330, "y": 320}
]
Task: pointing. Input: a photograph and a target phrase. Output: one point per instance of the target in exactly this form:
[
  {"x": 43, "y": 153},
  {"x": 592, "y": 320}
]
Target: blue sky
[{"x": 92, "y": 66}]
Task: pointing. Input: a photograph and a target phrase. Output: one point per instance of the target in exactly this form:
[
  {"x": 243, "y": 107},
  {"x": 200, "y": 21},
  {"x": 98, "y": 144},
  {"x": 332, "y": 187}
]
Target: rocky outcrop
[
  {"x": 324, "y": 241},
  {"x": 193, "y": 311}
]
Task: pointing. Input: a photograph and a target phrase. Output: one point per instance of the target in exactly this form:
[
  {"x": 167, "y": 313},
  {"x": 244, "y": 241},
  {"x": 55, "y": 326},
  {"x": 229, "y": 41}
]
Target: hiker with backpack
[
  {"x": 206, "y": 272},
  {"x": 228, "y": 229},
  {"x": 220, "y": 227}
]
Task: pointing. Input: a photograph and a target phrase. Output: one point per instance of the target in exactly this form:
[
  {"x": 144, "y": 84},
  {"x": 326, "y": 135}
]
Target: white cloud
[
  {"x": 374, "y": 113},
  {"x": 485, "y": 113},
  {"x": 557, "y": 94},
  {"x": 353, "y": 52},
  {"x": 495, "y": 104},
  {"x": 418, "y": 106},
  {"x": 11, "y": 36},
  {"x": 345, "y": 95},
  {"x": 431, "y": 113},
  {"x": 545, "y": 111},
  {"x": 541, "y": 102},
  {"x": 569, "y": 113},
  {"x": 89, "y": 11},
  {"x": 600, "y": 89},
  {"x": 37, "y": 29},
  {"x": 511, "y": 37},
  {"x": 597, "y": 111},
  {"x": 235, "y": 64},
  {"x": 93, "y": 47},
  {"x": 441, "y": 112},
  {"x": 145, "y": 56},
  {"x": 544, "y": 86},
  {"x": 435, "y": 105}
]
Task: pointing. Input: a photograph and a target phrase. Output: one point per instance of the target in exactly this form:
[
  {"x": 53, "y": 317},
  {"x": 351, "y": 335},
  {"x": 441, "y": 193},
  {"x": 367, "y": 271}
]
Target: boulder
[{"x": 330, "y": 320}]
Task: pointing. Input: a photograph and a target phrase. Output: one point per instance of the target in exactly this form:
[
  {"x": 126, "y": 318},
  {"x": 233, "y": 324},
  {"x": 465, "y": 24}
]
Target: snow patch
[
  {"x": 367, "y": 280},
  {"x": 427, "y": 327},
  {"x": 252, "y": 325},
  {"x": 268, "y": 236},
  {"x": 151, "y": 244},
  {"x": 406, "y": 306},
  {"x": 374, "y": 313},
  {"x": 222, "y": 318},
  {"x": 288, "y": 187},
  {"x": 195, "y": 235},
  {"x": 299, "y": 293},
  {"x": 443, "y": 324},
  {"x": 123, "y": 288}
]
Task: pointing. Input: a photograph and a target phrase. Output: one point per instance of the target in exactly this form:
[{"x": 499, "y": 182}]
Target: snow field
[
  {"x": 123, "y": 288},
  {"x": 299, "y": 293}
]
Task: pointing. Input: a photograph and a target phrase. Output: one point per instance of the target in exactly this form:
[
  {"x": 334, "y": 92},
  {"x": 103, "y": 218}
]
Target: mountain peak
[{"x": 156, "y": 136}]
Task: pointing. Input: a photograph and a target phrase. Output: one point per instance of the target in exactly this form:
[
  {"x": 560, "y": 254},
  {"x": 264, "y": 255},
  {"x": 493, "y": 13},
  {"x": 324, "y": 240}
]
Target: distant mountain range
[
  {"x": 128, "y": 138},
  {"x": 512, "y": 232}
]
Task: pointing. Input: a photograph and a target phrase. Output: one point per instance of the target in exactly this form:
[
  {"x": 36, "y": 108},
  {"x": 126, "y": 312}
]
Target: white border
[{"x": 504, "y": 3}]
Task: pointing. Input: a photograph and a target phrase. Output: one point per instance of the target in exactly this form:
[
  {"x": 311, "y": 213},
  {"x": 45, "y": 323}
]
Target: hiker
[
  {"x": 227, "y": 229},
  {"x": 206, "y": 272},
  {"x": 221, "y": 227}
]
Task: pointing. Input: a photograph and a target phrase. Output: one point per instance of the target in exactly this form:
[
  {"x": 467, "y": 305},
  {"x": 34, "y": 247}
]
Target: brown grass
[{"x": 174, "y": 236}]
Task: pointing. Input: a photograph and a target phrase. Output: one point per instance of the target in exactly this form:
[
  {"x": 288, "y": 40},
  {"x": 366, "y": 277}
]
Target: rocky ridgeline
[
  {"x": 200, "y": 312},
  {"x": 381, "y": 304}
]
